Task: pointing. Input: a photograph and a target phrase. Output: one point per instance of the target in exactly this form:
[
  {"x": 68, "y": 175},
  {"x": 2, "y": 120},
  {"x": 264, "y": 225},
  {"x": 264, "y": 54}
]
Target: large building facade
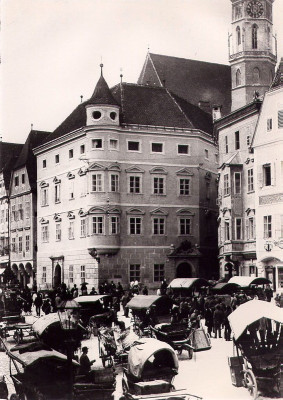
[{"x": 126, "y": 191}]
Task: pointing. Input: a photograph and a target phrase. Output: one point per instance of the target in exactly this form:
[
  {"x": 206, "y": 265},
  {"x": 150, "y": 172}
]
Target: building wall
[
  {"x": 112, "y": 254},
  {"x": 4, "y": 223},
  {"x": 268, "y": 145}
]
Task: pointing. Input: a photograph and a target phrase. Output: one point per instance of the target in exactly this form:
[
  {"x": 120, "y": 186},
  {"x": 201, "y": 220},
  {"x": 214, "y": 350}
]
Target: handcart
[
  {"x": 114, "y": 345},
  {"x": 21, "y": 332},
  {"x": 258, "y": 348},
  {"x": 152, "y": 366}
]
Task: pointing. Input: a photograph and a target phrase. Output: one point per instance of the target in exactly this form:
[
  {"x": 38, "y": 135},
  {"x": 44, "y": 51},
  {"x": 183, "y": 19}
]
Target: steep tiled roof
[
  {"x": 27, "y": 158},
  {"x": 143, "y": 105},
  {"x": 8, "y": 158},
  {"x": 191, "y": 80},
  {"x": 278, "y": 79},
  {"x": 102, "y": 94}
]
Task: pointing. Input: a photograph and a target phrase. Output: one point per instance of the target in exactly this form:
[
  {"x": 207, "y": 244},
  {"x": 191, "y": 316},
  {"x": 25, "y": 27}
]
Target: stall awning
[
  {"x": 187, "y": 283},
  {"x": 141, "y": 301},
  {"x": 225, "y": 286},
  {"x": 90, "y": 298},
  {"x": 252, "y": 311},
  {"x": 245, "y": 281},
  {"x": 42, "y": 323}
]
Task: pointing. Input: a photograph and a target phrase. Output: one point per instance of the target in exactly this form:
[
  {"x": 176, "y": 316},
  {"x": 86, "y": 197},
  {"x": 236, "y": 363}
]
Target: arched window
[
  {"x": 256, "y": 75},
  {"x": 254, "y": 36},
  {"x": 238, "y": 77},
  {"x": 238, "y": 30}
]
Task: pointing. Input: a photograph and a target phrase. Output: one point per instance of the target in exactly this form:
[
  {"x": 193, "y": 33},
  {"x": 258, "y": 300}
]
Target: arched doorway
[
  {"x": 57, "y": 276},
  {"x": 184, "y": 270}
]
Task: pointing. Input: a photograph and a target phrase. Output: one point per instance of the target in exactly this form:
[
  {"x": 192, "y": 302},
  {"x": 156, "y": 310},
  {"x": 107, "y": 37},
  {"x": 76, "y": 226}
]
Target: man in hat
[{"x": 85, "y": 363}]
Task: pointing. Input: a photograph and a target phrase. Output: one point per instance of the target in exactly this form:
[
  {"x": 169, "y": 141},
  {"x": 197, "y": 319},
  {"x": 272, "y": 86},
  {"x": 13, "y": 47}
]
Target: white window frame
[
  {"x": 71, "y": 274},
  {"x": 251, "y": 228},
  {"x": 97, "y": 222},
  {"x": 267, "y": 226},
  {"x": 71, "y": 189},
  {"x": 57, "y": 193},
  {"x": 250, "y": 180},
  {"x": 44, "y": 196},
  {"x": 135, "y": 141},
  {"x": 44, "y": 233},
  {"x": 58, "y": 232},
  {"x": 43, "y": 277},
  {"x": 71, "y": 154},
  {"x": 20, "y": 244},
  {"x": 83, "y": 227},
  {"x": 188, "y": 148},
  {"x": 99, "y": 182},
  {"x": 186, "y": 186},
  {"x": 238, "y": 220},
  {"x": 206, "y": 154},
  {"x": 82, "y": 149},
  {"x": 27, "y": 243},
  {"x": 133, "y": 221},
  {"x": 134, "y": 272},
  {"x": 264, "y": 169},
  {"x": 93, "y": 142},
  {"x": 135, "y": 176},
  {"x": 116, "y": 183},
  {"x": 83, "y": 276},
  {"x": 157, "y": 152},
  {"x": 159, "y": 222},
  {"x": 114, "y": 222},
  {"x": 183, "y": 225},
  {"x": 71, "y": 230},
  {"x": 156, "y": 189},
  {"x": 239, "y": 188},
  {"x": 269, "y": 123},
  {"x": 226, "y": 187},
  {"x": 113, "y": 148}
]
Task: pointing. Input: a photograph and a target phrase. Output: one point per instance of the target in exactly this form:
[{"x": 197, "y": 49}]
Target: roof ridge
[
  {"x": 178, "y": 105},
  {"x": 189, "y": 59}
]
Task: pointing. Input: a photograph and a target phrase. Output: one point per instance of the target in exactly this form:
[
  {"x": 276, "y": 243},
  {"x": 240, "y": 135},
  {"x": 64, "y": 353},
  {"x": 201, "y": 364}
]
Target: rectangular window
[
  {"x": 27, "y": 243},
  {"x": 135, "y": 225},
  {"x": 83, "y": 227},
  {"x": 226, "y": 144},
  {"x": 237, "y": 182},
  {"x": 184, "y": 186},
  {"x": 16, "y": 181},
  {"x": 82, "y": 149},
  {"x": 238, "y": 228},
  {"x": 27, "y": 209},
  {"x": 158, "y": 185},
  {"x": 20, "y": 244},
  {"x": 280, "y": 119},
  {"x": 57, "y": 193},
  {"x": 44, "y": 196},
  {"x": 206, "y": 154},
  {"x": 43, "y": 278},
  {"x": 97, "y": 225},
  {"x": 71, "y": 230},
  {"x": 44, "y": 233},
  {"x": 114, "y": 183},
  {"x": 267, "y": 226},
  {"x": 96, "y": 185},
  {"x": 13, "y": 213},
  {"x": 250, "y": 180},
  {"x": 71, "y": 274},
  {"x": 113, "y": 144},
  {"x": 157, "y": 147},
  {"x": 226, "y": 185},
  {"x": 13, "y": 245},
  {"x": 248, "y": 140},
  {"x": 82, "y": 273},
  {"x": 96, "y": 143},
  {"x": 183, "y": 149},
  {"x": 227, "y": 230},
  {"x": 115, "y": 225},
  {"x": 135, "y": 184},
  {"x": 269, "y": 124},
  {"x": 21, "y": 212},
  {"x": 237, "y": 140},
  {"x": 23, "y": 179},
  {"x": 135, "y": 272},
  {"x": 185, "y": 226},
  {"x": 133, "y": 146},
  {"x": 158, "y": 226},
  {"x": 57, "y": 159},
  {"x": 58, "y": 232},
  {"x": 71, "y": 189},
  {"x": 44, "y": 164},
  {"x": 251, "y": 228},
  {"x": 71, "y": 153},
  {"x": 267, "y": 174},
  {"x": 159, "y": 272}
]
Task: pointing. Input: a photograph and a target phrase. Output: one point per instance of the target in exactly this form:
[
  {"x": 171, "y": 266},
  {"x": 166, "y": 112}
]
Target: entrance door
[
  {"x": 184, "y": 270},
  {"x": 57, "y": 276}
]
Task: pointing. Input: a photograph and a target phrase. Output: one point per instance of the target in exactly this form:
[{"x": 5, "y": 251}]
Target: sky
[{"x": 51, "y": 49}]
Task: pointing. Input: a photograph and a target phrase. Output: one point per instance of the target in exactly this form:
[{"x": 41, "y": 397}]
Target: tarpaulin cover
[
  {"x": 142, "y": 301},
  {"x": 143, "y": 350},
  {"x": 90, "y": 299},
  {"x": 44, "y": 322},
  {"x": 252, "y": 311},
  {"x": 221, "y": 287},
  {"x": 186, "y": 283},
  {"x": 245, "y": 281}
]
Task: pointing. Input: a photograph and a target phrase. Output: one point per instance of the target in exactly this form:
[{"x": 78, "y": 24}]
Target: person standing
[
  {"x": 218, "y": 317},
  {"x": 268, "y": 293},
  {"x": 38, "y": 304}
]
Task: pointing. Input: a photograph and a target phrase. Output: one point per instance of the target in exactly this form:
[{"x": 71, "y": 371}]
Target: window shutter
[
  {"x": 273, "y": 174},
  {"x": 260, "y": 176},
  {"x": 280, "y": 119}
]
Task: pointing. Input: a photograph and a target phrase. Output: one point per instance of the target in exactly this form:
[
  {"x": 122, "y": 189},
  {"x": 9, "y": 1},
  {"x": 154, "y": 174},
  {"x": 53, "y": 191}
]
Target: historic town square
[{"x": 141, "y": 200}]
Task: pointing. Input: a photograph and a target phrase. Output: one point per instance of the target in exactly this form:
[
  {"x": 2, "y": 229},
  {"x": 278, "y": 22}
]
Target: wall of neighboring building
[
  {"x": 268, "y": 145},
  {"x": 4, "y": 223},
  {"x": 119, "y": 256}
]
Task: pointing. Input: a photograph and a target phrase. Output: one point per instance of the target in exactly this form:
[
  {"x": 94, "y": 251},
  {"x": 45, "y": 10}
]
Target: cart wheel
[
  {"x": 250, "y": 382},
  {"x": 16, "y": 337},
  {"x": 125, "y": 387},
  {"x": 179, "y": 351}
]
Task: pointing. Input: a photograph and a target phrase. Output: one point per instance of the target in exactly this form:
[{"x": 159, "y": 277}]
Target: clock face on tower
[{"x": 255, "y": 8}]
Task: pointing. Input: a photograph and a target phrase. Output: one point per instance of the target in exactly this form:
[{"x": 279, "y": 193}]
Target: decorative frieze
[{"x": 271, "y": 198}]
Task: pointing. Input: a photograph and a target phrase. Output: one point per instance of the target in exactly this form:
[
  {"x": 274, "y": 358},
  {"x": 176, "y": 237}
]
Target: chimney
[{"x": 216, "y": 112}]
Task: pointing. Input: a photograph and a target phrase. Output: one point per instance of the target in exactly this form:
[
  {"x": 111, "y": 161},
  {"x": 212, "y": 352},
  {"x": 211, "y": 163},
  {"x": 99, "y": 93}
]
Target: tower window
[
  {"x": 238, "y": 30},
  {"x": 238, "y": 77},
  {"x": 254, "y": 36},
  {"x": 256, "y": 75},
  {"x": 96, "y": 115},
  {"x": 113, "y": 115}
]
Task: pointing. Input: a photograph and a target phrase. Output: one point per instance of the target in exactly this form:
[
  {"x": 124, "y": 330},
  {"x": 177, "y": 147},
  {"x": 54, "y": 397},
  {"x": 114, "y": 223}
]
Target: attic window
[
  {"x": 183, "y": 149},
  {"x": 43, "y": 163},
  {"x": 113, "y": 115},
  {"x": 97, "y": 143},
  {"x": 96, "y": 115}
]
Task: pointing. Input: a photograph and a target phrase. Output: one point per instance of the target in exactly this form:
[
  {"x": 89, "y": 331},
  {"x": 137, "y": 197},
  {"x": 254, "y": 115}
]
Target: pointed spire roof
[{"x": 102, "y": 93}]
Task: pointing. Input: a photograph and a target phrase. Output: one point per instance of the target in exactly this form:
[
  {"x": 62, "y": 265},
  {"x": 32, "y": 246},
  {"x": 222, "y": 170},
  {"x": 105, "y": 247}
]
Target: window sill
[
  {"x": 43, "y": 205},
  {"x": 158, "y": 194},
  {"x": 57, "y": 202},
  {"x": 250, "y": 191}
]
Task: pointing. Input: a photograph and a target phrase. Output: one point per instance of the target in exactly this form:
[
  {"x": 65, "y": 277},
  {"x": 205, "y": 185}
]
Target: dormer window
[{"x": 96, "y": 115}]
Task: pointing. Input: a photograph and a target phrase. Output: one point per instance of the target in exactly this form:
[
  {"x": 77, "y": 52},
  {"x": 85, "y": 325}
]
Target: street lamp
[{"x": 69, "y": 313}]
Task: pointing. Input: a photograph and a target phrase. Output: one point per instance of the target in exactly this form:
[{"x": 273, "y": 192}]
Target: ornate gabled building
[
  {"x": 126, "y": 179},
  {"x": 22, "y": 228},
  {"x": 252, "y": 58},
  {"x": 268, "y": 154},
  {"x": 8, "y": 157}
]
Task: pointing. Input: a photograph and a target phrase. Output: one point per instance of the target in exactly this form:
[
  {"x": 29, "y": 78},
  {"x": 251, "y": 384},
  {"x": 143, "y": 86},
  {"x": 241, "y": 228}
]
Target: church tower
[{"x": 251, "y": 50}]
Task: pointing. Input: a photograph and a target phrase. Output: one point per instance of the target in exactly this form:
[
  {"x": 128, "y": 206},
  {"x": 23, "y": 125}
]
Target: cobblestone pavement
[{"x": 207, "y": 375}]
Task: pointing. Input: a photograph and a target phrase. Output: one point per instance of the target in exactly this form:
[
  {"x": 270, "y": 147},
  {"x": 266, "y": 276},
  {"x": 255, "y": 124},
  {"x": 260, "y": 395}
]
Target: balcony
[{"x": 103, "y": 245}]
